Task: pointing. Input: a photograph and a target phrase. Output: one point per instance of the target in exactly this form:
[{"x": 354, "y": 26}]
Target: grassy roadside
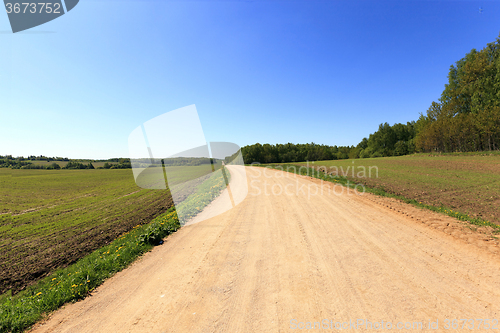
[
  {"x": 344, "y": 181},
  {"x": 204, "y": 195},
  {"x": 75, "y": 282},
  {"x": 19, "y": 312},
  {"x": 467, "y": 183}
]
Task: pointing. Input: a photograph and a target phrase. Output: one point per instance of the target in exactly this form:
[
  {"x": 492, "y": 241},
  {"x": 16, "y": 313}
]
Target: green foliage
[
  {"x": 467, "y": 117},
  {"x": 78, "y": 165},
  {"x": 286, "y": 153},
  {"x": 122, "y": 164},
  {"x": 401, "y": 148},
  {"x": 366, "y": 153},
  {"x": 395, "y": 140},
  {"x": 160, "y": 228},
  {"x": 9, "y": 162},
  {"x": 45, "y": 158},
  {"x": 54, "y": 166},
  {"x": 43, "y": 162}
]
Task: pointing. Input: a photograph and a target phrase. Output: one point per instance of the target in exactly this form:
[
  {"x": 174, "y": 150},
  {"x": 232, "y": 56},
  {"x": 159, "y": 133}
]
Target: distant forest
[
  {"x": 466, "y": 118},
  {"x": 29, "y": 162}
]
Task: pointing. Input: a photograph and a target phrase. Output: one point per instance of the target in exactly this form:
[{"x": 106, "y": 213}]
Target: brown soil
[
  {"x": 486, "y": 206},
  {"x": 58, "y": 250},
  {"x": 480, "y": 199}
]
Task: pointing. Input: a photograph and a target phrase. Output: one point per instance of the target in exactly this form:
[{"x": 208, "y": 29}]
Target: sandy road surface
[{"x": 275, "y": 258}]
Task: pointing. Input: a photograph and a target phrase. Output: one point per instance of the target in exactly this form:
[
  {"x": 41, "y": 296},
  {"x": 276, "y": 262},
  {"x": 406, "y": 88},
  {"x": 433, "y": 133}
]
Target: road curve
[{"x": 289, "y": 254}]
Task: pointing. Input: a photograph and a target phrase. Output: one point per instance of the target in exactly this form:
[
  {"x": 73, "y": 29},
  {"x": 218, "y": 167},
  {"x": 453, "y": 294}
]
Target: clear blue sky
[{"x": 258, "y": 71}]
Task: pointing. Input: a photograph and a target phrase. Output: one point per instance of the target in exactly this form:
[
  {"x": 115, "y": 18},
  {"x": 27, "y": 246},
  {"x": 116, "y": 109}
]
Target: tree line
[
  {"x": 20, "y": 162},
  {"x": 465, "y": 118},
  {"x": 395, "y": 140},
  {"x": 289, "y": 152},
  {"x": 123, "y": 163}
]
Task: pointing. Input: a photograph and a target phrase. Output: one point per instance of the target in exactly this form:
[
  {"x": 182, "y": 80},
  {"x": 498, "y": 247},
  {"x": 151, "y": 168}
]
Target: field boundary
[{"x": 344, "y": 181}]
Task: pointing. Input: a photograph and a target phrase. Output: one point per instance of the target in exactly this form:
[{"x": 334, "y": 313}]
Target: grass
[
  {"x": 63, "y": 163},
  {"x": 51, "y": 218},
  {"x": 206, "y": 192},
  {"x": 75, "y": 282},
  {"x": 306, "y": 170},
  {"x": 70, "y": 284},
  {"x": 462, "y": 182},
  {"x": 153, "y": 177}
]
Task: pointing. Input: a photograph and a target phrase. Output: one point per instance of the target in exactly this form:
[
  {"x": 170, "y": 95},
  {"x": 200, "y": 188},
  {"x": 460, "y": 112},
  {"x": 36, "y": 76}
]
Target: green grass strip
[
  {"x": 311, "y": 172},
  {"x": 205, "y": 193}
]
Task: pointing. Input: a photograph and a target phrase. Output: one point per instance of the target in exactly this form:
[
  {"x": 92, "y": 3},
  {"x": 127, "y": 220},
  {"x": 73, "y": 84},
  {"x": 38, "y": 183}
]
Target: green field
[
  {"x": 50, "y": 218},
  {"x": 75, "y": 282},
  {"x": 63, "y": 163},
  {"x": 153, "y": 177},
  {"x": 467, "y": 183}
]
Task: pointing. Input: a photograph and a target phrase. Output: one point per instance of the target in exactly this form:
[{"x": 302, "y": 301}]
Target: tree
[
  {"x": 54, "y": 165},
  {"x": 401, "y": 148},
  {"x": 467, "y": 117}
]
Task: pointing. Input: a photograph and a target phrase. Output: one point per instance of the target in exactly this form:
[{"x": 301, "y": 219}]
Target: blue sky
[{"x": 258, "y": 71}]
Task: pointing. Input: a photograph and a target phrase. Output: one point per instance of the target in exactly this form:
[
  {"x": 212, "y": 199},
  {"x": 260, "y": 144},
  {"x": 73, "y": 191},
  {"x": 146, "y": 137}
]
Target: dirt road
[{"x": 277, "y": 261}]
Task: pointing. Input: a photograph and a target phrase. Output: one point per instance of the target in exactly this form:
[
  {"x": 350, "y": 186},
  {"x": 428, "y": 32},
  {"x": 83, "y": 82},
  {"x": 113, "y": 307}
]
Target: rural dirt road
[{"x": 276, "y": 261}]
